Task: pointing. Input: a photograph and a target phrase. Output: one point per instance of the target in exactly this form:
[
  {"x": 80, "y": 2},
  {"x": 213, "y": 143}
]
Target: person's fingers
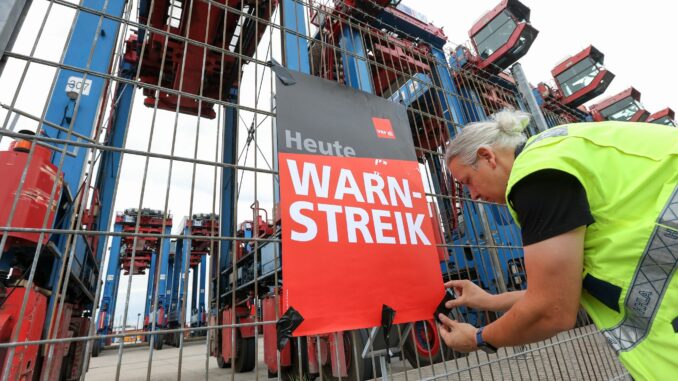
[
  {"x": 455, "y": 303},
  {"x": 443, "y": 332},
  {"x": 455, "y": 283},
  {"x": 447, "y": 321}
]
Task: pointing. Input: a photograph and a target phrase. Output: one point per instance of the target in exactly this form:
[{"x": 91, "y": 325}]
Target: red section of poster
[{"x": 357, "y": 234}]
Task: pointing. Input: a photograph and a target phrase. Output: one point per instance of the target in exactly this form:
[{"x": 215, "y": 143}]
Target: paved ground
[{"x": 575, "y": 355}]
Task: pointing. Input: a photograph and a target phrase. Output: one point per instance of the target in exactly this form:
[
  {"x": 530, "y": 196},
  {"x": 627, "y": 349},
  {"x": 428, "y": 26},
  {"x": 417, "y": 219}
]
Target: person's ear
[{"x": 488, "y": 155}]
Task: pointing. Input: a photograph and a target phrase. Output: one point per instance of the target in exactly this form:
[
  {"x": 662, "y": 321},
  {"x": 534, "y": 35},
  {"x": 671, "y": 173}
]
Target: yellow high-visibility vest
[{"x": 630, "y": 174}]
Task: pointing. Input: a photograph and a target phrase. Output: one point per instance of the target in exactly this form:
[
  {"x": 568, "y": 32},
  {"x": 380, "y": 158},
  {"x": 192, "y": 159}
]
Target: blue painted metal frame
[
  {"x": 85, "y": 32},
  {"x": 110, "y": 160},
  {"x": 295, "y": 46},
  {"x": 174, "y": 274},
  {"x": 183, "y": 285},
  {"x": 354, "y": 58},
  {"x": 152, "y": 271},
  {"x": 110, "y": 295},
  {"x": 194, "y": 289},
  {"x": 228, "y": 190},
  {"x": 201, "y": 291},
  {"x": 164, "y": 293},
  {"x": 90, "y": 47}
]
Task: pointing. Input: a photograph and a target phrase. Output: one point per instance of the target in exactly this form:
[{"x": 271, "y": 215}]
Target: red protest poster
[{"x": 356, "y": 228}]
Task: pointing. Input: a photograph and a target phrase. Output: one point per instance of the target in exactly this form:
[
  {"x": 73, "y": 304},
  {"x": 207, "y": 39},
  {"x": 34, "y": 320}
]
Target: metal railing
[{"x": 184, "y": 164}]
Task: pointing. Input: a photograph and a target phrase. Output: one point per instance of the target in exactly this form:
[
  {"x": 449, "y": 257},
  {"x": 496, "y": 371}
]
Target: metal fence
[{"x": 137, "y": 201}]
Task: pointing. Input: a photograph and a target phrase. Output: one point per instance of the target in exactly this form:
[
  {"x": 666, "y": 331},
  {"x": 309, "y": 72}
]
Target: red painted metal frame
[
  {"x": 209, "y": 227},
  {"x": 145, "y": 246},
  {"x": 667, "y": 112},
  {"x": 242, "y": 315},
  {"x": 34, "y": 201},
  {"x": 590, "y": 51},
  {"x": 60, "y": 349},
  {"x": 80, "y": 327},
  {"x": 23, "y": 365},
  {"x": 393, "y": 53},
  {"x": 640, "y": 115},
  {"x": 489, "y": 61},
  {"x": 371, "y": 7},
  {"x": 271, "y": 339},
  {"x": 514, "y": 6},
  {"x": 589, "y": 92},
  {"x": 183, "y": 62},
  {"x": 430, "y": 28}
]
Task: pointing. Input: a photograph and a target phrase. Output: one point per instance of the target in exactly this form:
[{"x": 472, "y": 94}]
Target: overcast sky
[{"x": 639, "y": 39}]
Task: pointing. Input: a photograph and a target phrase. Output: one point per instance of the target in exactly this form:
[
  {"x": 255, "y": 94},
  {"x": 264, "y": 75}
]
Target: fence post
[{"x": 526, "y": 92}]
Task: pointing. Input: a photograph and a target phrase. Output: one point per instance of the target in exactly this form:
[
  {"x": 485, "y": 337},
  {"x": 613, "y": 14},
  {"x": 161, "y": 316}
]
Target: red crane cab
[
  {"x": 624, "y": 106},
  {"x": 666, "y": 117},
  {"x": 503, "y": 35},
  {"x": 582, "y": 77}
]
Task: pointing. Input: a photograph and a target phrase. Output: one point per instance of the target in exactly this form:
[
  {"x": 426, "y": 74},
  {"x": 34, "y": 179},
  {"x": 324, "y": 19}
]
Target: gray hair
[{"x": 503, "y": 130}]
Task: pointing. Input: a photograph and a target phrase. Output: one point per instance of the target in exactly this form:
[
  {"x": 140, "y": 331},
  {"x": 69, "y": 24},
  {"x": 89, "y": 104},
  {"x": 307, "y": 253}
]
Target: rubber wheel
[
  {"x": 158, "y": 342},
  {"x": 245, "y": 356},
  {"x": 297, "y": 371},
  {"x": 96, "y": 348},
  {"x": 423, "y": 345},
  {"x": 221, "y": 363},
  {"x": 354, "y": 343}
]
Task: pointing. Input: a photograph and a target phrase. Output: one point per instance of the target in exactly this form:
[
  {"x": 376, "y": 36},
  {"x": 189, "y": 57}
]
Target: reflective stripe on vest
[
  {"x": 552, "y": 132},
  {"x": 658, "y": 263}
]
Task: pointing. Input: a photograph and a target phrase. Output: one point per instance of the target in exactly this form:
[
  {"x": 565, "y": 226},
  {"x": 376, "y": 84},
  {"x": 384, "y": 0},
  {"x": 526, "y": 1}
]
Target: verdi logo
[{"x": 383, "y": 128}]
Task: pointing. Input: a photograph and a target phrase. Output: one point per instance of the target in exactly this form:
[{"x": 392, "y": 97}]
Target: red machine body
[
  {"x": 80, "y": 327},
  {"x": 665, "y": 116},
  {"x": 182, "y": 62},
  {"x": 59, "y": 350},
  {"x": 152, "y": 222},
  {"x": 230, "y": 349},
  {"x": 23, "y": 364},
  {"x": 509, "y": 24},
  {"x": 268, "y": 307},
  {"x": 397, "y": 55},
  {"x": 206, "y": 226},
  {"x": 624, "y": 106},
  {"x": 34, "y": 200},
  {"x": 581, "y": 77},
  {"x": 370, "y": 7},
  {"x": 259, "y": 229}
]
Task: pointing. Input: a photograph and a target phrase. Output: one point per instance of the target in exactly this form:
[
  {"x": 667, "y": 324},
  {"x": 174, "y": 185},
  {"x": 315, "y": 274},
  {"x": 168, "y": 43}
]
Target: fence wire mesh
[{"x": 140, "y": 236}]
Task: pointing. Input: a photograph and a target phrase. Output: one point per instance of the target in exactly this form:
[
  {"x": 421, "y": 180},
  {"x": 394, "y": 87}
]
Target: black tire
[
  {"x": 158, "y": 342},
  {"x": 96, "y": 348},
  {"x": 354, "y": 342},
  {"x": 297, "y": 371},
  {"x": 245, "y": 353},
  {"x": 222, "y": 363}
]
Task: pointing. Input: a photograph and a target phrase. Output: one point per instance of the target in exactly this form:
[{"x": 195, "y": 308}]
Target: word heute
[{"x": 369, "y": 188}]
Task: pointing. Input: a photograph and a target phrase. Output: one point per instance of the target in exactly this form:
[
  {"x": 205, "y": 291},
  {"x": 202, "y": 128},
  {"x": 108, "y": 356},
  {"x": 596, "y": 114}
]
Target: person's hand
[
  {"x": 460, "y": 337},
  {"x": 468, "y": 294}
]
